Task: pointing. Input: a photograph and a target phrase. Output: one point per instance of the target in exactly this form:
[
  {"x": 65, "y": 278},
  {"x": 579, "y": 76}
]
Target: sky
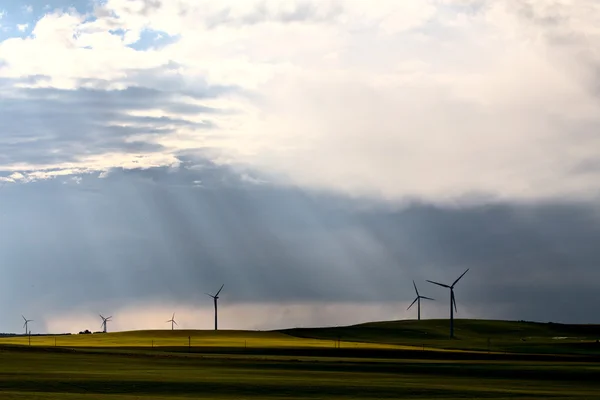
[{"x": 315, "y": 157}]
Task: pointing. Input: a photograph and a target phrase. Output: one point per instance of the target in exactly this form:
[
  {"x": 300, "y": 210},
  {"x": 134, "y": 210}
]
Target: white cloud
[
  {"x": 432, "y": 99},
  {"x": 74, "y": 180},
  {"x": 22, "y": 27},
  {"x": 28, "y": 8},
  {"x": 16, "y": 176}
]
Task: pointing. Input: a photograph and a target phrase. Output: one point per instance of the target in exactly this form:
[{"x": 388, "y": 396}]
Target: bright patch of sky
[
  {"x": 18, "y": 20},
  {"x": 147, "y": 39},
  {"x": 153, "y": 39}
]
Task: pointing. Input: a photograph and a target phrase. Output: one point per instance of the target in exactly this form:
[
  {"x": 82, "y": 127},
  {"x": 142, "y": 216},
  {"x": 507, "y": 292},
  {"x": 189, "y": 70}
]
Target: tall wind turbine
[
  {"x": 26, "y": 324},
  {"x": 215, "y": 298},
  {"x": 104, "y": 321},
  {"x": 172, "y": 321},
  {"x": 452, "y": 300},
  {"x": 418, "y": 300}
]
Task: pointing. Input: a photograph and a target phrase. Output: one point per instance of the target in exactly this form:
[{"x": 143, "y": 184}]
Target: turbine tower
[
  {"x": 215, "y": 298},
  {"x": 104, "y": 321},
  {"x": 452, "y": 300},
  {"x": 172, "y": 321},
  {"x": 418, "y": 301},
  {"x": 26, "y": 324}
]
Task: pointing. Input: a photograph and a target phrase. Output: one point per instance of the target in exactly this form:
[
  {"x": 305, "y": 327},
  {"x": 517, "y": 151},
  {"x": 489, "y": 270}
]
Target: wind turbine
[
  {"x": 452, "y": 300},
  {"x": 215, "y": 298},
  {"x": 26, "y": 324},
  {"x": 418, "y": 300},
  {"x": 172, "y": 321},
  {"x": 104, "y": 321}
]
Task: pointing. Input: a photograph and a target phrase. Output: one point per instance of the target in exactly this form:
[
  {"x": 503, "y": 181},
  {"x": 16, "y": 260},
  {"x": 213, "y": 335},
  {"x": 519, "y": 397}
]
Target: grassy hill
[
  {"x": 480, "y": 335},
  {"x": 471, "y": 335}
]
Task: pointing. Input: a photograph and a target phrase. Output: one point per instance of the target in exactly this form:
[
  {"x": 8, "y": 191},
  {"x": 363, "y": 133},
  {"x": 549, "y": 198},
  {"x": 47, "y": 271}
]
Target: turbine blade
[
  {"x": 175, "y": 322},
  {"x": 454, "y": 302},
  {"x": 439, "y": 284},
  {"x": 24, "y": 318},
  {"x": 219, "y": 290},
  {"x": 25, "y": 324},
  {"x": 463, "y": 274},
  {"x": 101, "y": 316},
  {"x": 416, "y": 290},
  {"x": 427, "y": 298},
  {"x": 411, "y": 304},
  {"x": 209, "y": 295}
]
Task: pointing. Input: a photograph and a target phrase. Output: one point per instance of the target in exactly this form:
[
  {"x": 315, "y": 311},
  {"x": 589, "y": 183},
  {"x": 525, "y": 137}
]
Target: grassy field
[
  {"x": 185, "y": 338},
  {"x": 373, "y": 361},
  {"x": 474, "y": 335}
]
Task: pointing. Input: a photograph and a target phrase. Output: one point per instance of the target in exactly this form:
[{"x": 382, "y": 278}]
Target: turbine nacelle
[
  {"x": 172, "y": 321},
  {"x": 26, "y": 324},
  {"x": 104, "y": 321},
  {"x": 216, "y": 296},
  {"x": 418, "y": 299}
]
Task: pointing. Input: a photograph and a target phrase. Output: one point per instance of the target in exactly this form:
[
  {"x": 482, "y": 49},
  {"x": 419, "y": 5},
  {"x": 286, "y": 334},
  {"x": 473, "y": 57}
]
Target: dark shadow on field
[
  {"x": 361, "y": 353},
  {"x": 264, "y": 389},
  {"x": 471, "y": 335},
  {"x": 202, "y": 374},
  {"x": 395, "y": 332},
  {"x": 318, "y": 352}
]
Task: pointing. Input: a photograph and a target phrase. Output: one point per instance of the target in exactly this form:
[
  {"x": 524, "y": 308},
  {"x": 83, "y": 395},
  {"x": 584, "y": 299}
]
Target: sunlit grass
[{"x": 193, "y": 338}]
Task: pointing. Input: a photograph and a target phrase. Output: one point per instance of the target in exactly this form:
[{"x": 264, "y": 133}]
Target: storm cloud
[
  {"x": 52, "y": 126},
  {"x": 155, "y": 235}
]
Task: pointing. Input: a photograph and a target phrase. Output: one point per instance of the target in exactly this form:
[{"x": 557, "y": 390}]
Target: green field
[
  {"x": 388, "y": 360},
  {"x": 474, "y": 335},
  {"x": 183, "y": 339}
]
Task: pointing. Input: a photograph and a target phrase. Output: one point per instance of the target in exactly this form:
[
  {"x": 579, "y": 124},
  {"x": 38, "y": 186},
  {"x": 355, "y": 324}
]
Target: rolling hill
[{"x": 471, "y": 334}]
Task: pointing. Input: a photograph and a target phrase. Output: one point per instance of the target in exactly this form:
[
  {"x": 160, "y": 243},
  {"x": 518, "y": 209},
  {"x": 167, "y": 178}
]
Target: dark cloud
[
  {"x": 152, "y": 234},
  {"x": 48, "y": 125}
]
